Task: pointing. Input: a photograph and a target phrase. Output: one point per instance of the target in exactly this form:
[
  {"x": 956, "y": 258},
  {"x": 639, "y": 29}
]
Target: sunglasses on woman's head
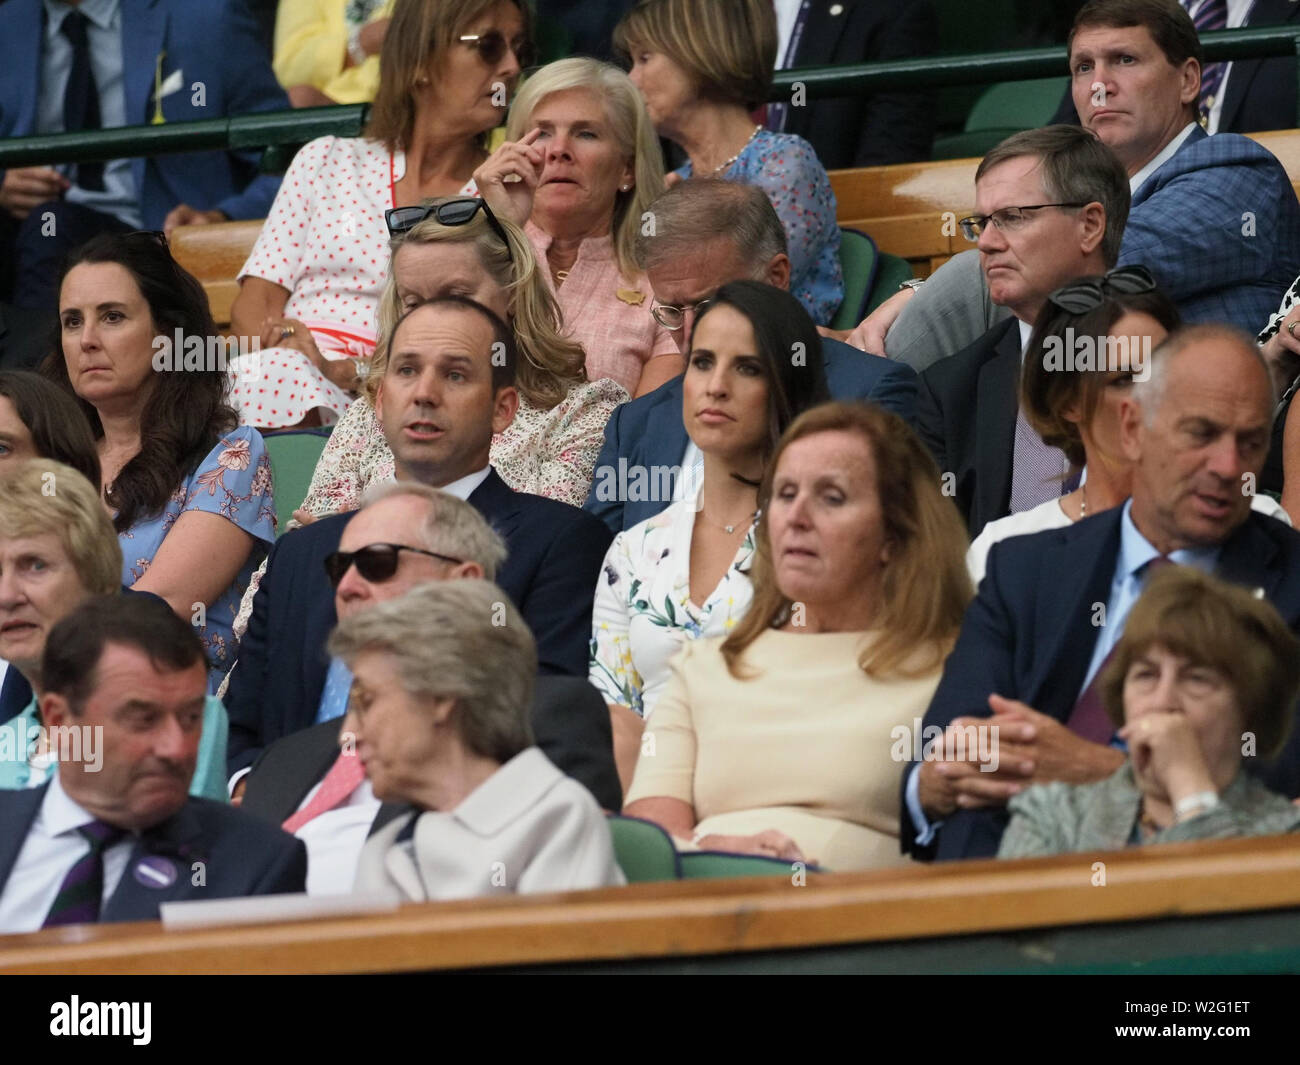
[
  {"x": 491, "y": 47},
  {"x": 375, "y": 562},
  {"x": 1088, "y": 295},
  {"x": 449, "y": 212}
]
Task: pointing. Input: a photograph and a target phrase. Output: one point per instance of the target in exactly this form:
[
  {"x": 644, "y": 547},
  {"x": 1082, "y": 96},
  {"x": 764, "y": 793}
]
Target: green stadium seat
[
  {"x": 645, "y": 852},
  {"x": 1001, "y": 110},
  {"x": 293, "y": 455},
  {"x": 705, "y": 865},
  {"x": 858, "y": 258},
  {"x": 891, "y": 271}
]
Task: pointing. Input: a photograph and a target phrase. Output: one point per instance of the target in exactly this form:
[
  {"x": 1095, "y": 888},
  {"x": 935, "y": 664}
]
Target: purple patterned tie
[
  {"x": 1088, "y": 718},
  {"x": 1210, "y": 15},
  {"x": 77, "y": 901}
]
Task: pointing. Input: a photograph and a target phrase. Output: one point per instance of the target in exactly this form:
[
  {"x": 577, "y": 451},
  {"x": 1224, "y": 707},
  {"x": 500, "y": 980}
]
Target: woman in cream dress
[{"x": 780, "y": 738}]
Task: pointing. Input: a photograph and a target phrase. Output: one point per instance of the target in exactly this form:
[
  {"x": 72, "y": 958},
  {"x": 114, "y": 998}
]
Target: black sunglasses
[
  {"x": 1084, "y": 296},
  {"x": 491, "y": 47},
  {"x": 456, "y": 212},
  {"x": 375, "y": 562}
]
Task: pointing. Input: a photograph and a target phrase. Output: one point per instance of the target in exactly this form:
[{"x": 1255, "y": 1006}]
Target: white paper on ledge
[{"x": 266, "y": 909}]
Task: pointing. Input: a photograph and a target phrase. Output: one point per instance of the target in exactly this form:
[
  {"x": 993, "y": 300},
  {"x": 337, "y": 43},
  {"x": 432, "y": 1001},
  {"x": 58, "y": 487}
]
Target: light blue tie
[{"x": 334, "y": 699}]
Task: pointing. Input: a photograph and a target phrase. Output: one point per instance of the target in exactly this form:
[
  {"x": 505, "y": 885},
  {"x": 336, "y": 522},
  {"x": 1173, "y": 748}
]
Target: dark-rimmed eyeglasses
[
  {"x": 375, "y": 562},
  {"x": 491, "y": 47},
  {"x": 1080, "y": 297},
  {"x": 672, "y": 317},
  {"x": 1005, "y": 219},
  {"x": 457, "y": 212}
]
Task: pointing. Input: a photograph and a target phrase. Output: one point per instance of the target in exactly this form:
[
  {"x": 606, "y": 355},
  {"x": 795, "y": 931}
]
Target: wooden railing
[{"x": 698, "y": 918}]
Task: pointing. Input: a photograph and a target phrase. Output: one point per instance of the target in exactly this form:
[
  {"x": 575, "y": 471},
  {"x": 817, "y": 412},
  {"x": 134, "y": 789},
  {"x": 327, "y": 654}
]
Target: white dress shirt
[
  {"x": 53, "y": 846},
  {"x": 1166, "y": 153},
  {"x": 334, "y": 840},
  {"x": 787, "y": 14}
]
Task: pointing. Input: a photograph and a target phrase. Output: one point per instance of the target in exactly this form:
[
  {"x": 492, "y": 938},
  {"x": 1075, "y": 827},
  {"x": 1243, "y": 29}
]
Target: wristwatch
[{"x": 913, "y": 283}]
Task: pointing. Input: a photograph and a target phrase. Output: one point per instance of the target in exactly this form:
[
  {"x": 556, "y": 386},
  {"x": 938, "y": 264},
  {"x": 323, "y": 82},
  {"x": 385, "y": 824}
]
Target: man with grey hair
[
  {"x": 442, "y": 726},
  {"x": 706, "y": 233},
  {"x": 405, "y": 536},
  {"x": 1050, "y": 207},
  {"x": 1052, "y": 605}
]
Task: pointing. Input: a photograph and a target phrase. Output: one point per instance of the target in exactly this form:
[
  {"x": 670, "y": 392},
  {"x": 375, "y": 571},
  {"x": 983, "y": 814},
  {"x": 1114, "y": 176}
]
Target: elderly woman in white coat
[{"x": 441, "y": 723}]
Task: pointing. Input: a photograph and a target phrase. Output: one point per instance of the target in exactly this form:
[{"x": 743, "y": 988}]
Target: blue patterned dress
[{"x": 234, "y": 480}]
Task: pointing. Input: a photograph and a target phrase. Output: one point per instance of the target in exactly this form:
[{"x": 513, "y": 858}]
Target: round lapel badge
[{"x": 154, "y": 872}]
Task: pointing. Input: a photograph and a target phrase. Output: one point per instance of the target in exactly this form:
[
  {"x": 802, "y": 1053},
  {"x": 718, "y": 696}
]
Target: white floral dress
[{"x": 643, "y": 611}]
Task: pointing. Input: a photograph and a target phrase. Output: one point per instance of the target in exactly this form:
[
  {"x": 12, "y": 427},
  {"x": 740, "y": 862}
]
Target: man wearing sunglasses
[
  {"x": 1051, "y": 205},
  {"x": 405, "y": 535},
  {"x": 448, "y": 387},
  {"x": 709, "y": 232}
]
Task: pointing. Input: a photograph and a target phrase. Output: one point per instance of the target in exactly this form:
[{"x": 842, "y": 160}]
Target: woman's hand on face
[
  {"x": 1166, "y": 752},
  {"x": 1282, "y": 350},
  {"x": 508, "y": 177},
  {"x": 768, "y": 844}
]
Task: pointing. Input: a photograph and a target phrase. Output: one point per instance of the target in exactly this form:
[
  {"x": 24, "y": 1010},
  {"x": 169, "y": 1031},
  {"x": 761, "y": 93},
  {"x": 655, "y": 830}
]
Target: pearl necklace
[
  {"x": 728, "y": 529},
  {"x": 723, "y": 166}
]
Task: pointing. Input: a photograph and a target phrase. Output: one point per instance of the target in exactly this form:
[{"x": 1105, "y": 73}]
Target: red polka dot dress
[{"x": 326, "y": 242}]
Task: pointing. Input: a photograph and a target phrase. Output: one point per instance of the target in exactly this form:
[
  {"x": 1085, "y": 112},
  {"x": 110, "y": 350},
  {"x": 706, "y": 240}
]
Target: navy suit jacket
[
  {"x": 570, "y": 724},
  {"x": 215, "y": 44},
  {"x": 648, "y": 433},
  {"x": 880, "y": 127},
  {"x": 240, "y": 855},
  {"x": 1029, "y": 635},
  {"x": 966, "y": 415},
  {"x": 555, "y": 554},
  {"x": 1218, "y": 225}
]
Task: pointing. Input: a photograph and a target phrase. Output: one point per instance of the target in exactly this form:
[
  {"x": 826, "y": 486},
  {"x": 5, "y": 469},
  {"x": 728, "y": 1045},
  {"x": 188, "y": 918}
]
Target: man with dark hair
[
  {"x": 1052, "y": 605},
  {"x": 1215, "y": 219},
  {"x": 447, "y": 388},
  {"x": 114, "y": 833},
  {"x": 1050, "y": 206},
  {"x": 708, "y": 232}
]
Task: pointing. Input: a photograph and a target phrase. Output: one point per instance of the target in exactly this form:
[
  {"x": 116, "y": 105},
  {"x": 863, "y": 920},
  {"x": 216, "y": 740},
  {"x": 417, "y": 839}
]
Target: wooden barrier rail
[{"x": 696, "y": 918}]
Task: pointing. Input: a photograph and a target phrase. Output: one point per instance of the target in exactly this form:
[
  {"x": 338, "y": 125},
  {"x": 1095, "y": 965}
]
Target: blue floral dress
[
  {"x": 643, "y": 611},
  {"x": 234, "y": 480},
  {"x": 786, "y": 167}
]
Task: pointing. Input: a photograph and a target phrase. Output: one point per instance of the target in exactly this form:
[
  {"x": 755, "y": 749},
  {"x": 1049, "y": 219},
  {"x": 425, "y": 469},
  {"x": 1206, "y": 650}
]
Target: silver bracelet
[
  {"x": 355, "y": 50},
  {"x": 912, "y": 282},
  {"x": 1194, "y": 805}
]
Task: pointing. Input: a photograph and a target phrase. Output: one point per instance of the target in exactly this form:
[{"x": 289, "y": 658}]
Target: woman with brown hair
[
  {"x": 778, "y": 739},
  {"x": 309, "y": 290}
]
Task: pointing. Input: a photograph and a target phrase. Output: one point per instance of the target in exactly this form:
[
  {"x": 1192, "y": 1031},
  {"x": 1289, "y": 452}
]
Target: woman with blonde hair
[
  {"x": 859, "y": 589},
  {"x": 578, "y": 171},
  {"x": 309, "y": 291},
  {"x": 704, "y": 67}
]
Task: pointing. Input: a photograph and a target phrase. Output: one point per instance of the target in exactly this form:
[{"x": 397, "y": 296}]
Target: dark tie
[
  {"x": 1208, "y": 16},
  {"x": 81, "y": 101},
  {"x": 79, "y": 895},
  {"x": 1088, "y": 718}
]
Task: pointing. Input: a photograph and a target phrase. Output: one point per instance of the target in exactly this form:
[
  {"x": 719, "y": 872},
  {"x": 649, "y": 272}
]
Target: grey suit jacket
[{"x": 1060, "y": 818}]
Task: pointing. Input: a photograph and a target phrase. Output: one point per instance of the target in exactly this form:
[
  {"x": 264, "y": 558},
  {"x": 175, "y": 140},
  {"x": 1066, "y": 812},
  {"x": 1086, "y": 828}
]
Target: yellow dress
[{"x": 805, "y": 745}]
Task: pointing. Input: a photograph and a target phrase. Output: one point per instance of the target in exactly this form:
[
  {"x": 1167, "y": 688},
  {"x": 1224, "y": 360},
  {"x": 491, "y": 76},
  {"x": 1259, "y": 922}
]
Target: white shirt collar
[
  {"x": 1167, "y": 153},
  {"x": 59, "y": 814},
  {"x": 463, "y": 488},
  {"x": 1026, "y": 331}
]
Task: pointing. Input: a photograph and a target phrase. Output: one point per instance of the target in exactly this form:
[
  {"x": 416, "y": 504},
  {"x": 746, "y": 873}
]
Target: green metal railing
[{"x": 270, "y": 129}]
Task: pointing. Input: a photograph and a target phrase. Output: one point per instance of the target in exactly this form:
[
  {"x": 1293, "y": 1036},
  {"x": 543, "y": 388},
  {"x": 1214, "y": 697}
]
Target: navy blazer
[
  {"x": 875, "y": 128},
  {"x": 217, "y": 47},
  {"x": 570, "y": 724},
  {"x": 1029, "y": 635},
  {"x": 555, "y": 554},
  {"x": 648, "y": 433},
  {"x": 240, "y": 855},
  {"x": 966, "y": 414}
]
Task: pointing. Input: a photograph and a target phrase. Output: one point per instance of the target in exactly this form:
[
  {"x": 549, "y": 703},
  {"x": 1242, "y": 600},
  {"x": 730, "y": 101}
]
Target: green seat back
[
  {"x": 891, "y": 271},
  {"x": 1017, "y": 104},
  {"x": 858, "y": 264},
  {"x": 645, "y": 852},
  {"x": 705, "y": 865},
  {"x": 293, "y": 457}
]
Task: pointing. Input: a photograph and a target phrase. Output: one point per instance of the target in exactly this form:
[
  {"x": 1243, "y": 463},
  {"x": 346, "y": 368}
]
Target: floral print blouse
[
  {"x": 234, "y": 480},
  {"x": 643, "y": 611},
  {"x": 786, "y": 167}
]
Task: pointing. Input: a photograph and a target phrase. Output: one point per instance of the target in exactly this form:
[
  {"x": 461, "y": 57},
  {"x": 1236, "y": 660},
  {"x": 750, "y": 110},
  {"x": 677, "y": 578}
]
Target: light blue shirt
[
  {"x": 334, "y": 696},
  {"x": 119, "y": 197},
  {"x": 1135, "y": 551}
]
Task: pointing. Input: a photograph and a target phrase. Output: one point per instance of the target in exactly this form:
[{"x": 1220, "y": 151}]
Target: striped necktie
[
  {"x": 1209, "y": 16},
  {"x": 78, "y": 898}
]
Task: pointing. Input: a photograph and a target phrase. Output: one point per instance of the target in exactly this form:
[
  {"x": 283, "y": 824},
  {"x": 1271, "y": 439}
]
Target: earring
[
  {"x": 422, "y": 82},
  {"x": 626, "y": 187}
]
